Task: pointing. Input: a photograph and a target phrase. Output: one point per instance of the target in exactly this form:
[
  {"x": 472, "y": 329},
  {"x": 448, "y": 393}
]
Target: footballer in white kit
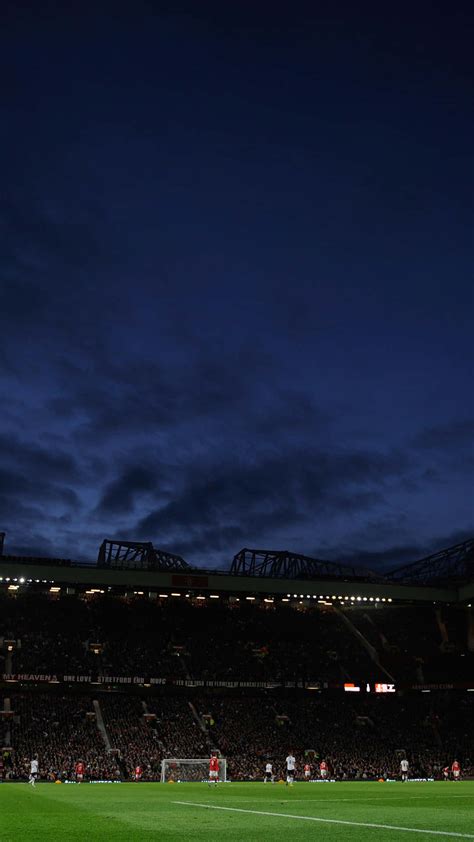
[
  {"x": 269, "y": 776},
  {"x": 404, "y": 769},
  {"x": 33, "y": 771},
  {"x": 290, "y": 769}
]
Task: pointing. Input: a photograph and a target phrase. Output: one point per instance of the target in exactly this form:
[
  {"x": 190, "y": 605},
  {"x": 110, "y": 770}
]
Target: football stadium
[
  {"x": 237, "y": 421},
  {"x": 286, "y": 696}
]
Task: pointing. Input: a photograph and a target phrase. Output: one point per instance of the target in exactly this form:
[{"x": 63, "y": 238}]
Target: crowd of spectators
[
  {"x": 181, "y": 730},
  {"x": 61, "y": 730},
  {"x": 99, "y": 636},
  {"x": 268, "y": 643},
  {"x": 143, "y": 733},
  {"x": 361, "y": 737},
  {"x": 173, "y": 638},
  {"x": 131, "y": 736},
  {"x": 421, "y": 644}
]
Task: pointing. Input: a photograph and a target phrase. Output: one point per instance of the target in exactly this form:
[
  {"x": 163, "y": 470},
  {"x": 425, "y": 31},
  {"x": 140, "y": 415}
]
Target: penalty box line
[{"x": 326, "y": 821}]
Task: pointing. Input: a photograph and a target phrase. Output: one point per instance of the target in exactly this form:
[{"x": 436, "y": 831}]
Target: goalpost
[{"x": 184, "y": 769}]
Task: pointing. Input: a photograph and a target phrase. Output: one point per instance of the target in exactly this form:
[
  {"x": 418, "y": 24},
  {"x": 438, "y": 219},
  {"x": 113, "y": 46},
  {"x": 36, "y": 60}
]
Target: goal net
[{"x": 190, "y": 769}]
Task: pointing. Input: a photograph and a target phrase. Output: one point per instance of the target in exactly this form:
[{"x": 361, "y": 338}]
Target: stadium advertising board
[
  {"x": 153, "y": 681},
  {"x": 378, "y": 687}
]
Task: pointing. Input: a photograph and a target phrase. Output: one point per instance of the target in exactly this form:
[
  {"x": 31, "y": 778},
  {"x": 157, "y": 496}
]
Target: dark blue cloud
[
  {"x": 235, "y": 271},
  {"x": 457, "y": 435},
  {"x": 119, "y": 495}
]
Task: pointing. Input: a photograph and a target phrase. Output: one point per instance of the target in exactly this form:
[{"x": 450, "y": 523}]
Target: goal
[{"x": 190, "y": 769}]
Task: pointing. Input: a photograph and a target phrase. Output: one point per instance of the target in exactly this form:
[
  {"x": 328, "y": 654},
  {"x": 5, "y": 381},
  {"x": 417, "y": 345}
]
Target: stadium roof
[
  {"x": 447, "y": 576},
  {"x": 137, "y": 555},
  {"x": 451, "y": 566},
  {"x": 283, "y": 564}
]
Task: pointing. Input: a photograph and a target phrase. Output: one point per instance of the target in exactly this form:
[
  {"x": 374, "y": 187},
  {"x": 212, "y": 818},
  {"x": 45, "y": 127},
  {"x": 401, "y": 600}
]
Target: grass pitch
[{"x": 391, "y": 812}]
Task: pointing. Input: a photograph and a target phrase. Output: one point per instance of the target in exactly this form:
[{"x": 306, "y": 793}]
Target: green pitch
[{"x": 359, "y": 812}]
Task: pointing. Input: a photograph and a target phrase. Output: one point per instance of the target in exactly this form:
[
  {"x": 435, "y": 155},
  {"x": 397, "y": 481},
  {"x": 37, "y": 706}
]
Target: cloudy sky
[{"x": 236, "y": 277}]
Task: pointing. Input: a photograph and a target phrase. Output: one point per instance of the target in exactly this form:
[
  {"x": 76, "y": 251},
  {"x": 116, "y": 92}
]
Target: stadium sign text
[
  {"x": 153, "y": 681},
  {"x": 39, "y": 678}
]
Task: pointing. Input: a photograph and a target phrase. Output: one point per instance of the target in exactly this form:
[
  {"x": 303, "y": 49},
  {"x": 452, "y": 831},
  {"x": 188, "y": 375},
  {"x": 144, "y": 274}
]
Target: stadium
[{"x": 137, "y": 668}]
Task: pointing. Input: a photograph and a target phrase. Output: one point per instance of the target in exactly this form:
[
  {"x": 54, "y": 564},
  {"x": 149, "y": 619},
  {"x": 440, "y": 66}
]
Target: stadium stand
[
  {"x": 361, "y": 738},
  {"x": 60, "y": 730},
  {"x": 117, "y": 635},
  {"x": 122, "y": 675}
]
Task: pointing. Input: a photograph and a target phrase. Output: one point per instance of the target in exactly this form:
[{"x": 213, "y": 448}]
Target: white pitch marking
[
  {"x": 328, "y": 821},
  {"x": 385, "y": 797}
]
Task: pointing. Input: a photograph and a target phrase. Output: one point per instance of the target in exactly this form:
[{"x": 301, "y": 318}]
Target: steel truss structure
[
  {"x": 137, "y": 555},
  {"x": 454, "y": 565},
  {"x": 282, "y": 564},
  {"x": 446, "y": 568}
]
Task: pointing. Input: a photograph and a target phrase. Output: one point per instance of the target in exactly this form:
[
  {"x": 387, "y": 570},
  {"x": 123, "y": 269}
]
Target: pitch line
[
  {"x": 381, "y": 797},
  {"x": 327, "y": 821}
]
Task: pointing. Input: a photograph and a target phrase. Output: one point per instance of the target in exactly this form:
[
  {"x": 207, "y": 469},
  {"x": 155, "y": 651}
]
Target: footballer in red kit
[
  {"x": 446, "y": 773},
  {"x": 456, "y": 770},
  {"x": 79, "y": 772},
  {"x": 213, "y": 770},
  {"x": 323, "y": 768},
  {"x": 307, "y": 771},
  {"x": 138, "y": 773}
]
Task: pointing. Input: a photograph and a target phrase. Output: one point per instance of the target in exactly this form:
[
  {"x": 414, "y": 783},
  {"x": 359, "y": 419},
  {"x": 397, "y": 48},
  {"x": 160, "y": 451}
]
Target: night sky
[{"x": 237, "y": 287}]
